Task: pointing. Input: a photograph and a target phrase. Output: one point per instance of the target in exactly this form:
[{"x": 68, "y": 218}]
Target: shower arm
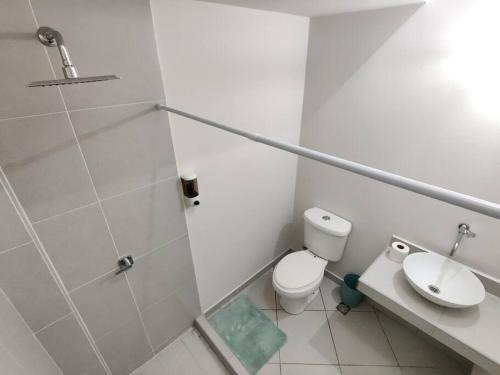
[
  {"x": 53, "y": 38},
  {"x": 458, "y": 199}
]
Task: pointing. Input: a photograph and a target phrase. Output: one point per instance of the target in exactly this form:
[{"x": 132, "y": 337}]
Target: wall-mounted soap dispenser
[{"x": 190, "y": 189}]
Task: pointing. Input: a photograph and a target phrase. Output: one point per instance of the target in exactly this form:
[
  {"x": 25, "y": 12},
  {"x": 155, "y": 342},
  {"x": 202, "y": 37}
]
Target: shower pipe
[{"x": 458, "y": 199}]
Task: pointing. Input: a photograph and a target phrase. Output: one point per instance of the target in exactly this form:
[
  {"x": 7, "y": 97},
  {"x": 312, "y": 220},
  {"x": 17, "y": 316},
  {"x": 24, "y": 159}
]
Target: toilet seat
[{"x": 298, "y": 274}]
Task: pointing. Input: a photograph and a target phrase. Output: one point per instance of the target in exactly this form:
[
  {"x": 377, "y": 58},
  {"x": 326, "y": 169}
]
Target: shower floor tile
[{"x": 320, "y": 342}]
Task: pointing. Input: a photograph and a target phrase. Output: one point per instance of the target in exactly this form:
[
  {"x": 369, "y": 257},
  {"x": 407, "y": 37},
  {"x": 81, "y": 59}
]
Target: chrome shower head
[
  {"x": 70, "y": 81},
  {"x": 53, "y": 38}
]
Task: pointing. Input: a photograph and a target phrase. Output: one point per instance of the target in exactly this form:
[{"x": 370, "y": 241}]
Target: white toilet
[{"x": 296, "y": 278}]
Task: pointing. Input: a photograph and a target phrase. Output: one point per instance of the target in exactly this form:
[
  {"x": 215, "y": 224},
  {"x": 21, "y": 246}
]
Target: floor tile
[
  {"x": 289, "y": 369},
  {"x": 370, "y": 370},
  {"x": 261, "y": 292},
  {"x": 177, "y": 360},
  {"x": 272, "y": 314},
  {"x": 330, "y": 291},
  {"x": 360, "y": 340},
  {"x": 270, "y": 369},
  {"x": 308, "y": 338},
  {"x": 205, "y": 357},
  {"x": 411, "y": 349}
]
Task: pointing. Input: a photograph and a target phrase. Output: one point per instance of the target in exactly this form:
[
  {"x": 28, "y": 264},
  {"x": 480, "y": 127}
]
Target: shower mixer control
[{"x": 125, "y": 263}]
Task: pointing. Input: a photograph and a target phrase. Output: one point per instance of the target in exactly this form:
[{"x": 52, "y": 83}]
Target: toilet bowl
[{"x": 297, "y": 277}]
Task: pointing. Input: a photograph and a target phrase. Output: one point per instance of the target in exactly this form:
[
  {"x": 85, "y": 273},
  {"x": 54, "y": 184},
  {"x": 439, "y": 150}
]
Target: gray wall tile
[
  {"x": 158, "y": 274},
  {"x": 98, "y": 370},
  {"x": 8, "y": 365},
  {"x": 126, "y": 348},
  {"x": 26, "y": 280},
  {"x": 106, "y": 37},
  {"x": 67, "y": 344},
  {"x": 23, "y": 61},
  {"x": 126, "y": 147},
  {"x": 44, "y": 165},
  {"x": 79, "y": 245},
  {"x": 12, "y": 231},
  {"x": 18, "y": 338},
  {"x": 105, "y": 304},
  {"x": 147, "y": 218},
  {"x": 167, "y": 319}
]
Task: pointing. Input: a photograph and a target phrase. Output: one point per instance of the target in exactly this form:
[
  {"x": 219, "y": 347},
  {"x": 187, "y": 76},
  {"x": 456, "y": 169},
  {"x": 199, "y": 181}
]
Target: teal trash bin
[{"x": 348, "y": 292}]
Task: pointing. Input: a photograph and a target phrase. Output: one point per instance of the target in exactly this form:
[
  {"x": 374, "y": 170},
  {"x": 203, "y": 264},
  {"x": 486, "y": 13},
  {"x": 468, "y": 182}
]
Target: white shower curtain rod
[{"x": 461, "y": 200}]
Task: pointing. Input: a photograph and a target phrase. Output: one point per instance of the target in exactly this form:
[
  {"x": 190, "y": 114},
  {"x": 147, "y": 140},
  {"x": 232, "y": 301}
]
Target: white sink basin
[{"x": 443, "y": 281}]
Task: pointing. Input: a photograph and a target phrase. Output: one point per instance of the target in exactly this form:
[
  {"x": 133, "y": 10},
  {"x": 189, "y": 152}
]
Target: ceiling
[{"x": 313, "y": 8}]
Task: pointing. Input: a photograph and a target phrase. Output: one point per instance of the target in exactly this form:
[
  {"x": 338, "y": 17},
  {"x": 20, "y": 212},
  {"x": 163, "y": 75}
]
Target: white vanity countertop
[{"x": 473, "y": 332}]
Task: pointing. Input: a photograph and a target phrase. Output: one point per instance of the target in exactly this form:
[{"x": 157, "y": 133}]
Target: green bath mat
[{"x": 250, "y": 335}]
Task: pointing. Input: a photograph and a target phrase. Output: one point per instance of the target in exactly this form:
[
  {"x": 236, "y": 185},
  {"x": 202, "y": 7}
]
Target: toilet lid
[{"x": 299, "y": 269}]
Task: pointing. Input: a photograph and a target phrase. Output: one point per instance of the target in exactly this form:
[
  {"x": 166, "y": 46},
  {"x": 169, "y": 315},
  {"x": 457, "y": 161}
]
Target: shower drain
[{"x": 434, "y": 289}]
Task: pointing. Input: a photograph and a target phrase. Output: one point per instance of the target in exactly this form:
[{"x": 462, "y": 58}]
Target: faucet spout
[{"x": 463, "y": 231}]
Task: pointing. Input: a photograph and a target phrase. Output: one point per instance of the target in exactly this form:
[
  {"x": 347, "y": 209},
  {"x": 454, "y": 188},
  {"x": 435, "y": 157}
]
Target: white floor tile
[
  {"x": 331, "y": 296},
  {"x": 411, "y": 349},
  {"x": 271, "y": 314},
  {"x": 261, "y": 292},
  {"x": 309, "y": 340},
  {"x": 309, "y": 370},
  {"x": 370, "y": 370},
  {"x": 201, "y": 352},
  {"x": 177, "y": 360},
  {"x": 270, "y": 369},
  {"x": 359, "y": 339}
]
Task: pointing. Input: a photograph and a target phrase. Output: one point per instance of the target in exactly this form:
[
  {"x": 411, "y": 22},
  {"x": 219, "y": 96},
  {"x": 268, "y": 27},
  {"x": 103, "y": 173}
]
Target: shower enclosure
[{"x": 88, "y": 177}]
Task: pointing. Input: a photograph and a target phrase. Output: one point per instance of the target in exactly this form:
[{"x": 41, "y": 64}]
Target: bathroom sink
[{"x": 443, "y": 281}]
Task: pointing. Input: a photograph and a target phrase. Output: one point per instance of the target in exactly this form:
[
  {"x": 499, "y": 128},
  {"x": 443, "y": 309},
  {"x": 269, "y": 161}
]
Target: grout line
[
  {"x": 16, "y": 247},
  {"x": 276, "y": 302},
  {"x": 50, "y": 266},
  {"x": 39, "y": 243},
  {"x": 149, "y": 252},
  {"x": 154, "y": 101},
  {"x": 81, "y": 109},
  {"x": 96, "y": 202},
  {"x": 64, "y": 213},
  {"x": 139, "y": 188},
  {"x": 31, "y": 116},
  {"x": 330, "y": 329},
  {"x": 387, "y": 338},
  {"x": 54, "y": 322}
]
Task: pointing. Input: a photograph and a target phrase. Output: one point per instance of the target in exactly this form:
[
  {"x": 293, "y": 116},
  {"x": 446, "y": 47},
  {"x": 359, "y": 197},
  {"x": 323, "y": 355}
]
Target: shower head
[
  {"x": 70, "y": 81},
  {"x": 53, "y": 38}
]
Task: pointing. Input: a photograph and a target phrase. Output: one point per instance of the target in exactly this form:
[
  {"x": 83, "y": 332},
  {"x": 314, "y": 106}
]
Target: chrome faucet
[{"x": 463, "y": 231}]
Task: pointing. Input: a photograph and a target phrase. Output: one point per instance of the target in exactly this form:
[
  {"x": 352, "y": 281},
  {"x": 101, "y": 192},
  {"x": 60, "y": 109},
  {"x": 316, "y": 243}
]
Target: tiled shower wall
[{"x": 94, "y": 172}]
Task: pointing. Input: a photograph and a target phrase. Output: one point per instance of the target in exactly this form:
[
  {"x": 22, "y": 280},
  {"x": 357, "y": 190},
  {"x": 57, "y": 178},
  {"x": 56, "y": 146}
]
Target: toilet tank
[{"x": 325, "y": 234}]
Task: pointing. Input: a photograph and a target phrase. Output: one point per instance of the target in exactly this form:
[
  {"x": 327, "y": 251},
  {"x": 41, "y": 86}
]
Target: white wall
[
  {"x": 412, "y": 90},
  {"x": 245, "y": 68}
]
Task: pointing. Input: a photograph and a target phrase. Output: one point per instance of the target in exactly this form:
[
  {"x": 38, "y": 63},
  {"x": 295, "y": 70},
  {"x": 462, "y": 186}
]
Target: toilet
[{"x": 297, "y": 277}]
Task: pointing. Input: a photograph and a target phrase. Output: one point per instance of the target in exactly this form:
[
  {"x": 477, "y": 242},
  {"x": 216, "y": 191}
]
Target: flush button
[{"x": 326, "y": 218}]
